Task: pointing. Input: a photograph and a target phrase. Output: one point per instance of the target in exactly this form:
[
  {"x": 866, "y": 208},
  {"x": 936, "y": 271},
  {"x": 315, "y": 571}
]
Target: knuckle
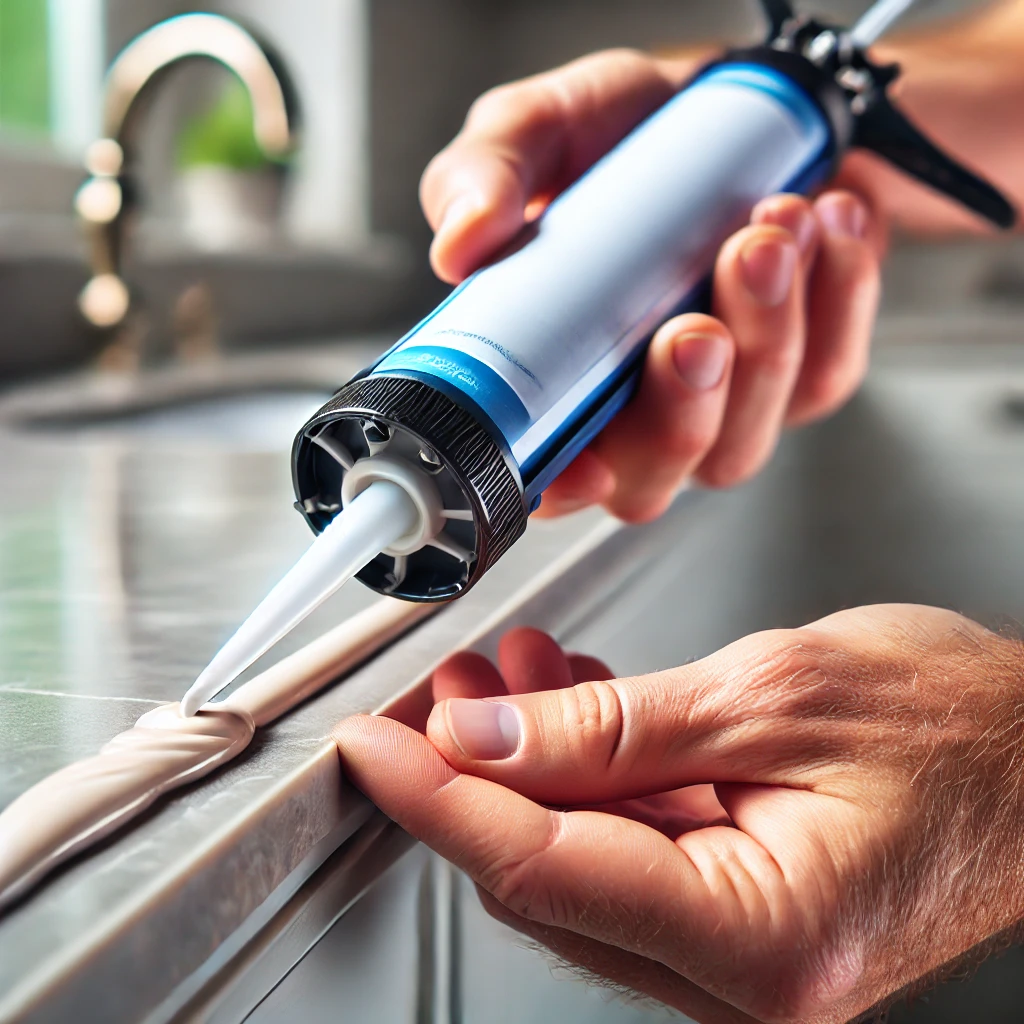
[
  {"x": 433, "y": 170},
  {"x": 432, "y": 190},
  {"x": 641, "y": 506},
  {"x": 787, "y": 652},
  {"x": 781, "y": 357},
  {"x": 624, "y": 66},
  {"x": 584, "y": 72},
  {"x": 592, "y": 721},
  {"x": 511, "y": 104},
  {"x": 623, "y": 56},
  {"x": 494, "y": 101},
  {"x": 865, "y": 296},
  {"x": 852, "y": 289},
  {"x": 686, "y": 441},
  {"x": 776, "y": 658},
  {"x": 787, "y": 676},
  {"x": 716, "y": 474},
  {"x": 826, "y": 390}
]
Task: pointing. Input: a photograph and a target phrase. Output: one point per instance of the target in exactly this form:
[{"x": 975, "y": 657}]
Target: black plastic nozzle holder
[{"x": 463, "y": 442}]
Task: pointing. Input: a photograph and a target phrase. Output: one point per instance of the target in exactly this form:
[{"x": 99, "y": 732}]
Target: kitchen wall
[{"x": 383, "y": 85}]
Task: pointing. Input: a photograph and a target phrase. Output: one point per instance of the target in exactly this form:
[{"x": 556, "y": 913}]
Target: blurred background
[{"x": 334, "y": 242}]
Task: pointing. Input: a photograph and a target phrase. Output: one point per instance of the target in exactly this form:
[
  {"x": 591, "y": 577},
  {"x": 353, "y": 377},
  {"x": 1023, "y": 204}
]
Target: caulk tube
[{"x": 495, "y": 392}]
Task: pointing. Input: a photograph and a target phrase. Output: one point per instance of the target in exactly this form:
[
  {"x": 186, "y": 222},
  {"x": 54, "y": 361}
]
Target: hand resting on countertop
[{"x": 793, "y": 829}]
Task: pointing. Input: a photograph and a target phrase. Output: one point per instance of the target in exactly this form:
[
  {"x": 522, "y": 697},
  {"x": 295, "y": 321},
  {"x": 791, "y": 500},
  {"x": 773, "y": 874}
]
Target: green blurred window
[{"x": 24, "y": 65}]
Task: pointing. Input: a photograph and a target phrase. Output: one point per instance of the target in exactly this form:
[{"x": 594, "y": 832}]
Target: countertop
[{"x": 128, "y": 556}]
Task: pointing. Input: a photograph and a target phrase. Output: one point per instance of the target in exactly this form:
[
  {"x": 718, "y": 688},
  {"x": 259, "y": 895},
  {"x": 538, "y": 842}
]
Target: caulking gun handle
[{"x": 887, "y": 131}]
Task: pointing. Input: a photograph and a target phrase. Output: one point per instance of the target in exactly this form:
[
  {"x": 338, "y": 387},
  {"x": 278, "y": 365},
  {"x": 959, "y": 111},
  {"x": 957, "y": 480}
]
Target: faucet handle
[{"x": 103, "y": 202}]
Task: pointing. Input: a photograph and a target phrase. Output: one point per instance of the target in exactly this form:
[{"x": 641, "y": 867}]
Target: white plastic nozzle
[{"x": 375, "y": 519}]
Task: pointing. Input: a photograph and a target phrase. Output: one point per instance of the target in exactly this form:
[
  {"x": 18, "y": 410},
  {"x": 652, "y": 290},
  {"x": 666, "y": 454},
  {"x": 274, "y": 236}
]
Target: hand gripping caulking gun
[{"x": 420, "y": 473}]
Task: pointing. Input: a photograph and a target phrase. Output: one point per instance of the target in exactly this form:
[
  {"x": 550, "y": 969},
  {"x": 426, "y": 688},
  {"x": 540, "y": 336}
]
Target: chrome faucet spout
[{"x": 104, "y": 201}]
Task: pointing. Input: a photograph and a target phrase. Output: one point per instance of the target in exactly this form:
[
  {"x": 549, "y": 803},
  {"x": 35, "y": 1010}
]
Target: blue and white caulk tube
[
  {"x": 439, "y": 451},
  {"x": 492, "y": 395}
]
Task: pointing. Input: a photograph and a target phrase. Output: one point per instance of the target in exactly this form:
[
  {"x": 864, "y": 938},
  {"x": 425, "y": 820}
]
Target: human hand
[
  {"x": 794, "y": 296},
  {"x": 866, "y": 830}
]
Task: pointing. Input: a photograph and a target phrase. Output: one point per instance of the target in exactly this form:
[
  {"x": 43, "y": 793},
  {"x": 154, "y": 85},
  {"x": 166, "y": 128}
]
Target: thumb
[{"x": 618, "y": 739}]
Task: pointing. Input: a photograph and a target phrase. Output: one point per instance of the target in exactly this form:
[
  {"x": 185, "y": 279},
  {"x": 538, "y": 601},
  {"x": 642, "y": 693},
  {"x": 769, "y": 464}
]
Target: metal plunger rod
[{"x": 876, "y": 20}]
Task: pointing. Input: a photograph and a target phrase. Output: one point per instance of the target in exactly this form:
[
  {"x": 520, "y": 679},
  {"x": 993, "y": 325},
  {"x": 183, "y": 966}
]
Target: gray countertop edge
[
  {"x": 307, "y": 801},
  {"x": 222, "y": 891},
  {"x": 605, "y": 559},
  {"x": 249, "y": 966}
]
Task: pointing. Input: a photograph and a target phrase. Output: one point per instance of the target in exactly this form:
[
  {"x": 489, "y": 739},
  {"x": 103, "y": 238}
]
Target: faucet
[{"x": 104, "y": 201}]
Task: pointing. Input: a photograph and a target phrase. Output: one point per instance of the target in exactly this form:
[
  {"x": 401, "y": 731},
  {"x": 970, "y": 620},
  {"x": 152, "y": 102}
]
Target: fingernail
[
  {"x": 768, "y": 269},
  {"x": 802, "y": 229},
  {"x": 798, "y": 222},
  {"x": 483, "y": 730},
  {"x": 700, "y": 360},
  {"x": 842, "y": 215},
  {"x": 460, "y": 210}
]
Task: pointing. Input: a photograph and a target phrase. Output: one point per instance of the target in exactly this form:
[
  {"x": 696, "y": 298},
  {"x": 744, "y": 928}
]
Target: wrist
[{"x": 975, "y": 830}]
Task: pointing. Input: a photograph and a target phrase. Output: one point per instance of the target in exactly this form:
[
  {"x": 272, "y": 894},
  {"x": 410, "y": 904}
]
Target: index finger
[{"x": 530, "y": 139}]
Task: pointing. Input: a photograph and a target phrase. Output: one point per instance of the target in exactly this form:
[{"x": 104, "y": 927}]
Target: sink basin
[
  {"x": 215, "y": 398},
  {"x": 250, "y": 421}
]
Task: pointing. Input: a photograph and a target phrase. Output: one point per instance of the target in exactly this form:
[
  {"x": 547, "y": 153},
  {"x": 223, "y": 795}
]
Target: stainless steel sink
[
  {"x": 205, "y": 397},
  {"x": 252, "y": 420},
  {"x": 127, "y": 550}
]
